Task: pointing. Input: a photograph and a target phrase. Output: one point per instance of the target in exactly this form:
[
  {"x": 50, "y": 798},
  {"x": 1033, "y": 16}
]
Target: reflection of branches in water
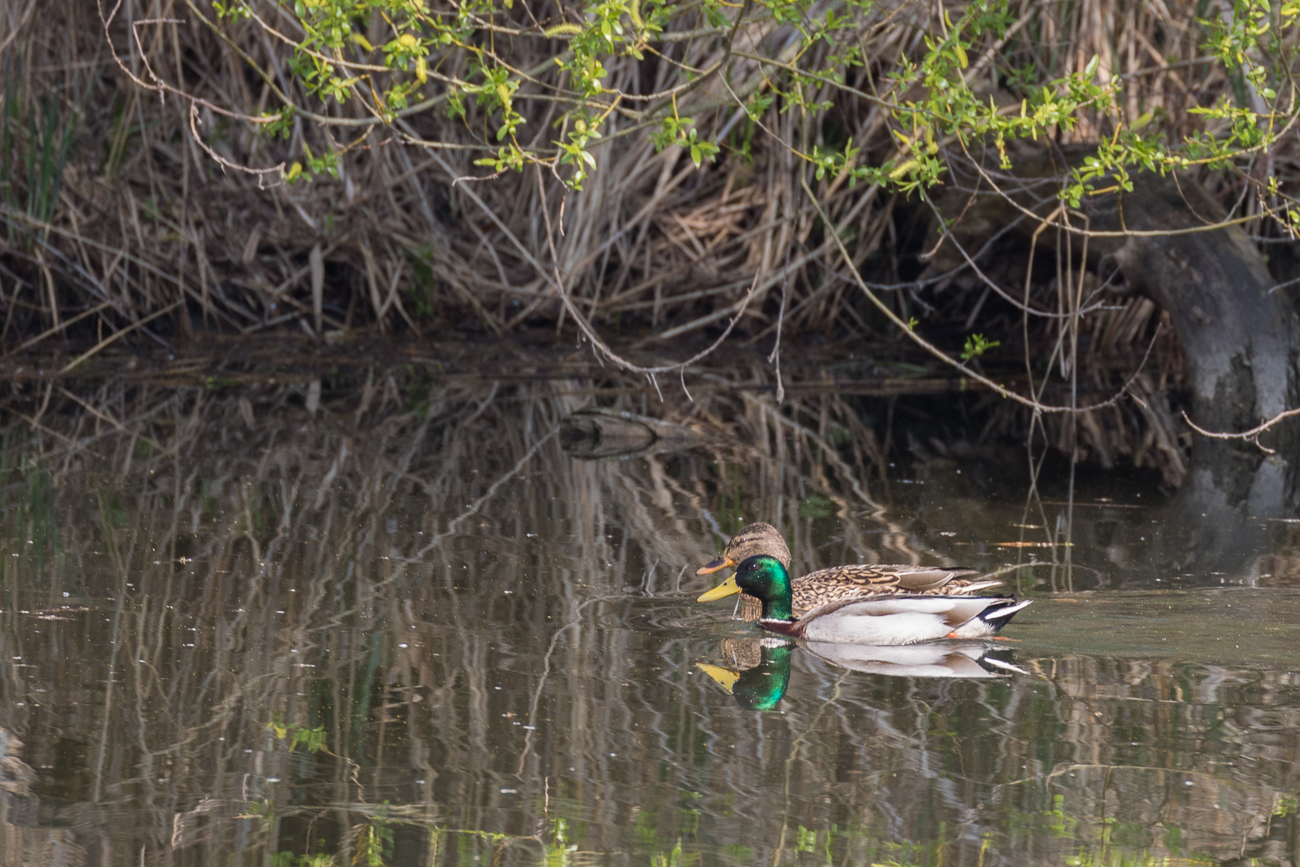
[
  {"x": 249, "y": 561},
  {"x": 796, "y": 746},
  {"x": 286, "y": 566}
]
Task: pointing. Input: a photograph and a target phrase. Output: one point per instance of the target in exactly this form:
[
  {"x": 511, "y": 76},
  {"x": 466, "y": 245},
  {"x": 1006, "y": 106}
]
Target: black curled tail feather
[{"x": 999, "y": 613}]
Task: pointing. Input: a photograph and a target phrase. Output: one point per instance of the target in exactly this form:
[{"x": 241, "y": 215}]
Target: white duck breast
[{"x": 903, "y": 619}]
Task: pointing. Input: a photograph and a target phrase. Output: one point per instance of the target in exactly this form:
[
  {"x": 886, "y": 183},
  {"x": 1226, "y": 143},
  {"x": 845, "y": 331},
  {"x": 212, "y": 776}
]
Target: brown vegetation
[{"x": 121, "y": 223}]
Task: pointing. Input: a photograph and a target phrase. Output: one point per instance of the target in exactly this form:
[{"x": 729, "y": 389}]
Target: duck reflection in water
[{"x": 762, "y": 684}]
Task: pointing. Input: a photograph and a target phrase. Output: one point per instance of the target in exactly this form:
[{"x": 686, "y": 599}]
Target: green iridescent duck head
[{"x": 765, "y": 578}]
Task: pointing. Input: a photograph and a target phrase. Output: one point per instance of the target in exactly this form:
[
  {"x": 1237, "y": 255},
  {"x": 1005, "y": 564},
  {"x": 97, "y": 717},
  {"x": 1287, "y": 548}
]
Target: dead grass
[
  {"x": 145, "y": 223},
  {"x": 144, "y": 218}
]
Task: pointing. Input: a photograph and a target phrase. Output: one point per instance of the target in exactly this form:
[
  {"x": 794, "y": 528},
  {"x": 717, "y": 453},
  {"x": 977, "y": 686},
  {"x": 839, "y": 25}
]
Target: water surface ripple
[{"x": 443, "y": 639}]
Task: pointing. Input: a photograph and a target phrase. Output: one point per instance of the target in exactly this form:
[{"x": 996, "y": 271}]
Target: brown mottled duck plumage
[{"x": 839, "y": 582}]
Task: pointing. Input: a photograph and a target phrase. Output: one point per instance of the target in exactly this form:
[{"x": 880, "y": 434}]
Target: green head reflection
[{"x": 761, "y": 687}]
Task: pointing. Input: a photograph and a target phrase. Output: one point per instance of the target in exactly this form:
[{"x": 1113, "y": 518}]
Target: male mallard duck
[
  {"x": 872, "y": 618},
  {"x": 835, "y": 583}
]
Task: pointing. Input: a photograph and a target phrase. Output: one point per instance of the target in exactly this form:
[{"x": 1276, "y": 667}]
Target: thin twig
[
  {"x": 1250, "y": 436},
  {"x": 120, "y": 334}
]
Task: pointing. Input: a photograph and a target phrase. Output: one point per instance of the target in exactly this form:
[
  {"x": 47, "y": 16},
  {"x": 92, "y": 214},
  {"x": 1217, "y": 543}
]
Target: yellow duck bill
[
  {"x": 724, "y": 676},
  {"x": 723, "y": 590}
]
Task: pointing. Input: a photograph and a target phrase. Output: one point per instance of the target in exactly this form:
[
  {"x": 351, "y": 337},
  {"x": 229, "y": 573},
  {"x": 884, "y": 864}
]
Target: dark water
[{"x": 242, "y": 634}]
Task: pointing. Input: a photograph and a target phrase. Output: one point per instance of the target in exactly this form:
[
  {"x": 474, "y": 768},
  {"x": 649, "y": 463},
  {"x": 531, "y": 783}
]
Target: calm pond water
[{"x": 239, "y": 633}]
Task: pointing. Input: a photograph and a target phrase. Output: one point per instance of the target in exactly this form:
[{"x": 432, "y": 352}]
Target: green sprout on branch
[{"x": 977, "y": 345}]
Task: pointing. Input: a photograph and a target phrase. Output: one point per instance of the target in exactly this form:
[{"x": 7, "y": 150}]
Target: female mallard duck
[
  {"x": 873, "y": 618},
  {"x": 835, "y": 583}
]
